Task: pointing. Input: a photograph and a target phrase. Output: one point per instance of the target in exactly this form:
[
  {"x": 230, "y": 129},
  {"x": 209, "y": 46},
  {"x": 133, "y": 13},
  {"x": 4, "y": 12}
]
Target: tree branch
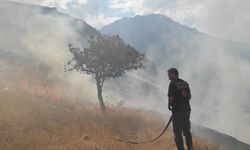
[
  {"x": 87, "y": 70},
  {"x": 102, "y": 81}
]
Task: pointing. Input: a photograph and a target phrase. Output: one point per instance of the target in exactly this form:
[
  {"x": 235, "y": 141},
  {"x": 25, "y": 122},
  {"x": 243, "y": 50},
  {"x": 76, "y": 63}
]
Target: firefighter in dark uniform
[{"x": 178, "y": 102}]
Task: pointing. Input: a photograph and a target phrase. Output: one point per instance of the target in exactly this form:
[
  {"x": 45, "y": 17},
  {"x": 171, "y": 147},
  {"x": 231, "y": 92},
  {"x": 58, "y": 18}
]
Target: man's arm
[
  {"x": 189, "y": 92},
  {"x": 171, "y": 93},
  {"x": 170, "y": 102}
]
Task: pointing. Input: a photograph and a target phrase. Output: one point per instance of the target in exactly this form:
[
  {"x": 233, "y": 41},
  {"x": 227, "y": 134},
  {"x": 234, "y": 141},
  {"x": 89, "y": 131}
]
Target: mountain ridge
[{"x": 161, "y": 32}]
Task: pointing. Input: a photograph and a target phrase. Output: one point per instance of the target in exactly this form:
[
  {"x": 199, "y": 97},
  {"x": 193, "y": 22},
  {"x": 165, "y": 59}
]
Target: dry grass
[{"x": 30, "y": 123}]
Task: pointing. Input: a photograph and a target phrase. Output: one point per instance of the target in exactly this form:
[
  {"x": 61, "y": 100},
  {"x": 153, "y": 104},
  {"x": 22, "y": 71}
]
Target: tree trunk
[{"x": 99, "y": 92}]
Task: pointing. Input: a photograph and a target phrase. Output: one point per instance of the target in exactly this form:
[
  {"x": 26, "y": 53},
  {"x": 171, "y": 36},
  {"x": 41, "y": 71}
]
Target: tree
[{"x": 106, "y": 57}]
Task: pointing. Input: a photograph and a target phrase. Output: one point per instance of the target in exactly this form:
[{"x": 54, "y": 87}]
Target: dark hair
[{"x": 174, "y": 71}]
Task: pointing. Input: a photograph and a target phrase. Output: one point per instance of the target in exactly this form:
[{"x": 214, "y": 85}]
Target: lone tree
[{"x": 106, "y": 57}]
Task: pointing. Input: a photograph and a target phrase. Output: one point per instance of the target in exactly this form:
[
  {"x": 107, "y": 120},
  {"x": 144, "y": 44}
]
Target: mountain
[
  {"x": 216, "y": 69},
  {"x": 149, "y": 29},
  {"x": 159, "y": 37}
]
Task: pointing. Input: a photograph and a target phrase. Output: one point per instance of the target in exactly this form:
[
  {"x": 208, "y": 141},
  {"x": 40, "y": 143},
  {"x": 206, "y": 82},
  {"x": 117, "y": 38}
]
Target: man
[{"x": 178, "y": 102}]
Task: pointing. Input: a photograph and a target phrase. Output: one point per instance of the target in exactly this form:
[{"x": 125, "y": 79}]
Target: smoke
[
  {"x": 218, "y": 75},
  {"x": 216, "y": 71},
  {"x": 219, "y": 80},
  {"x": 40, "y": 36}
]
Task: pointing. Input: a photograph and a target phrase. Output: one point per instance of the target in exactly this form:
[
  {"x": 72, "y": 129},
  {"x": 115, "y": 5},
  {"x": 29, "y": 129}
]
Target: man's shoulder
[
  {"x": 178, "y": 80},
  {"x": 181, "y": 80}
]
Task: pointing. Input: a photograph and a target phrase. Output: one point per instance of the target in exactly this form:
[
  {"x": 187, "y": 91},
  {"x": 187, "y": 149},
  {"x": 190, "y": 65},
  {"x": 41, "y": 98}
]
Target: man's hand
[
  {"x": 170, "y": 102},
  {"x": 169, "y": 107}
]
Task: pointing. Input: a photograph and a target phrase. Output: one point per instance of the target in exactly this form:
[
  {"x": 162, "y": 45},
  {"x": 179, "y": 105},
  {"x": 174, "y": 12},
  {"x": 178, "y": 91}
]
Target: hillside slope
[
  {"x": 29, "y": 123},
  {"x": 34, "y": 48},
  {"x": 38, "y": 44},
  {"x": 222, "y": 140}
]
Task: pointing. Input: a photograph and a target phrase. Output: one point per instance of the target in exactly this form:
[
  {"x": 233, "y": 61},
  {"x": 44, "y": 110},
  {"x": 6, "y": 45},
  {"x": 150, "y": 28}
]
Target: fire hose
[{"x": 144, "y": 142}]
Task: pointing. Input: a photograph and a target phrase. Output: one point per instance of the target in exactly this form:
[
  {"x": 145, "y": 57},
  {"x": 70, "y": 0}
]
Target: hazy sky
[{"x": 223, "y": 18}]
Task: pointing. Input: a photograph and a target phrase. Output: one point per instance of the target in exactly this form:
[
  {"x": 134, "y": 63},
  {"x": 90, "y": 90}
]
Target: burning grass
[{"x": 31, "y": 123}]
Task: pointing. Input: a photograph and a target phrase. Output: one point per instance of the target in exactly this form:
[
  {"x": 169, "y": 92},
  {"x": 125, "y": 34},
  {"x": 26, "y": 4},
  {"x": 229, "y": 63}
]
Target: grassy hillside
[{"x": 32, "y": 123}]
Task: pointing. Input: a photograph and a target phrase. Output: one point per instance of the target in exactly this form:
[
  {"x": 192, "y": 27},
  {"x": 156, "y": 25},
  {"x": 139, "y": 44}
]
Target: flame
[{"x": 42, "y": 88}]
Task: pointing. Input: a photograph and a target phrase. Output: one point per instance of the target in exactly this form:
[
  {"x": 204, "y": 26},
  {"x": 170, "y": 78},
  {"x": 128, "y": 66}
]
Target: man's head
[{"x": 173, "y": 73}]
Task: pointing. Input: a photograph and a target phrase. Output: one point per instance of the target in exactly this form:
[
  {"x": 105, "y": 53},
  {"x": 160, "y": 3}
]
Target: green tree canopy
[{"x": 106, "y": 57}]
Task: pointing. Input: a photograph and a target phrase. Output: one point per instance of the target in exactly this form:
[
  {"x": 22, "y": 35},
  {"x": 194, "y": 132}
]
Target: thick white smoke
[
  {"x": 219, "y": 80},
  {"x": 41, "y": 37}
]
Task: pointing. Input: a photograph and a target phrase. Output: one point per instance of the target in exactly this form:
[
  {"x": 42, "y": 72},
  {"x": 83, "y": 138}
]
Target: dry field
[{"x": 31, "y": 123}]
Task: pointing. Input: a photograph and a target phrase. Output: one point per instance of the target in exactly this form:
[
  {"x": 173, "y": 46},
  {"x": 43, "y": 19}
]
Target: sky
[{"x": 229, "y": 19}]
